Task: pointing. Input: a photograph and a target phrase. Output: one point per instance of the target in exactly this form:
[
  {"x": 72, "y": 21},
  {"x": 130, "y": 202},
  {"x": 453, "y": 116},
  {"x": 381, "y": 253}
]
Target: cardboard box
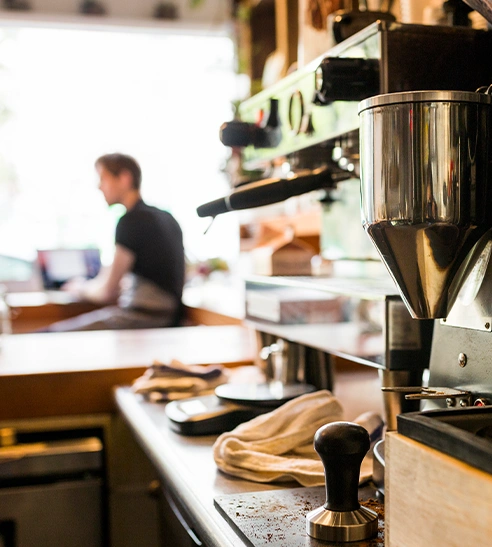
[{"x": 283, "y": 254}]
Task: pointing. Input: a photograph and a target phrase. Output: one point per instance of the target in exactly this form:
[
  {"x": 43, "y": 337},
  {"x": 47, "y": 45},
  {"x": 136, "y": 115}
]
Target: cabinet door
[
  {"x": 63, "y": 514},
  {"x": 175, "y": 526},
  {"x": 133, "y": 504}
]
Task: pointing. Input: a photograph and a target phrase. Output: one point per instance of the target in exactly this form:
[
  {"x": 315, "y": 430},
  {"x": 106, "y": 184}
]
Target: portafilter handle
[{"x": 342, "y": 447}]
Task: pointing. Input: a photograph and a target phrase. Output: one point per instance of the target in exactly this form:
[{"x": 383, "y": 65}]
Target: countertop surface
[
  {"x": 187, "y": 466},
  {"x": 45, "y": 353},
  {"x": 54, "y": 374}
]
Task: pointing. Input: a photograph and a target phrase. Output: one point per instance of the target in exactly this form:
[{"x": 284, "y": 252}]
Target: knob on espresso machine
[
  {"x": 346, "y": 79},
  {"x": 342, "y": 447},
  {"x": 241, "y": 134}
]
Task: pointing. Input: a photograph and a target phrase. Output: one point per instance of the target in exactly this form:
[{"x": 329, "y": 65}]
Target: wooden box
[{"x": 433, "y": 499}]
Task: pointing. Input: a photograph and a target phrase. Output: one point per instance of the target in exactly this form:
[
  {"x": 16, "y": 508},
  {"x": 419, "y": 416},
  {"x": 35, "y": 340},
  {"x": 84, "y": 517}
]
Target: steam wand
[{"x": 342, "y": 447}]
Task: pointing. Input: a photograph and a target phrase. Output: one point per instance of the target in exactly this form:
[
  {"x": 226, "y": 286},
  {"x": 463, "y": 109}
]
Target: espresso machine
[
  {"x": 302, "y": 135},
  {"x": 415, "y": 294}
]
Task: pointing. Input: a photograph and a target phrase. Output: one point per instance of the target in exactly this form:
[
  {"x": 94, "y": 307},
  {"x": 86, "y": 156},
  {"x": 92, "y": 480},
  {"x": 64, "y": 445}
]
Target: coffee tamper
[{"x": 342, "y": 447}]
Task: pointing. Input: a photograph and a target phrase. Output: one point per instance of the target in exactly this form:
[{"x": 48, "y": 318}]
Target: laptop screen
[{"x": 59, "y": 265}]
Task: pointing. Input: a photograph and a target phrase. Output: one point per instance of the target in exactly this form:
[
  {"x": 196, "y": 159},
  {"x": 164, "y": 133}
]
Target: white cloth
[{"x": 278, "y": 446}]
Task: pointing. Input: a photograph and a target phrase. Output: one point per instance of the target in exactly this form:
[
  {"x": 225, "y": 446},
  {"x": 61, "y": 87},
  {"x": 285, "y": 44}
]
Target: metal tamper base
[
  {"x": 344, "y": 526},
  {"x": 342, "y": 447}
]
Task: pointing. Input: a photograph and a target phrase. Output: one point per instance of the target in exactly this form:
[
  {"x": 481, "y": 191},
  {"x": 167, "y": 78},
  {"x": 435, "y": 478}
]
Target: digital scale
[{"x": 231, "y": 405}]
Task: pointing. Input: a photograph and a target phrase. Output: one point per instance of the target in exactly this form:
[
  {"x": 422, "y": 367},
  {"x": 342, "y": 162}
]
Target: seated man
[{"x": 145, "y": 282}]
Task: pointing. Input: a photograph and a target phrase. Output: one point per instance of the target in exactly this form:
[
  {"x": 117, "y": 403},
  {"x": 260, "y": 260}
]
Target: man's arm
[{"x": 105, "y": 287}]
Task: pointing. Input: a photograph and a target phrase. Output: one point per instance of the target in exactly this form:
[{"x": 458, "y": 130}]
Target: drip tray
[
  {"x": 276, "y": 518},
  {"x": 464, "y": 433}
]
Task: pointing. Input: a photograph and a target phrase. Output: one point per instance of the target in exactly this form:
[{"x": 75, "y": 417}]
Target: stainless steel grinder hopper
[
  {"x": 426, "y": 197},
  {"x": 426, "y": 205}
]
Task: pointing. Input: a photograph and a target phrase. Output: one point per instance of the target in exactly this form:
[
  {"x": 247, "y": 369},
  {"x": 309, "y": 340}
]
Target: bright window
[{"x": 68, "y": 96}]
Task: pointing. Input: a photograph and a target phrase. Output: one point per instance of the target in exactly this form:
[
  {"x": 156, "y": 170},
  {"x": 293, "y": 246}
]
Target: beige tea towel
[{"x": 278, "y": 446}]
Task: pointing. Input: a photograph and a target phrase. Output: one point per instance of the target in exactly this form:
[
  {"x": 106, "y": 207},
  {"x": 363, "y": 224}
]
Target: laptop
[{"x": 58, "y": 266}]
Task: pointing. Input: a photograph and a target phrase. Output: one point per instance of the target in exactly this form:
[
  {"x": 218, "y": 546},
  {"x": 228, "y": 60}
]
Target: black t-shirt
[{"x": 156, "y": 239}]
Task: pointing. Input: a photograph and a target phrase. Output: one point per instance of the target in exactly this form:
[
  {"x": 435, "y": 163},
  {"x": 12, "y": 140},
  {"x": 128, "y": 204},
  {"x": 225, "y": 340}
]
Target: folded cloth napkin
[
  {"x": 278, "y": 446},
  {"x": 161, "y": 382}
]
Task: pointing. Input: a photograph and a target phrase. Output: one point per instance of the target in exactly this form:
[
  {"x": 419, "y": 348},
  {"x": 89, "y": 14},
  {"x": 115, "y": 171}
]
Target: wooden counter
[
  {"x": 54, "y": 374},
  {"x": 31, "y": 311},
  {"x": 207, "y": 303}
]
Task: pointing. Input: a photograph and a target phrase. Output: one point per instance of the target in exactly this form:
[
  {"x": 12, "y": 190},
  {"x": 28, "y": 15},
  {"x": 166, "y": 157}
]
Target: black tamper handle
[{"x": 342, "y": 447}]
